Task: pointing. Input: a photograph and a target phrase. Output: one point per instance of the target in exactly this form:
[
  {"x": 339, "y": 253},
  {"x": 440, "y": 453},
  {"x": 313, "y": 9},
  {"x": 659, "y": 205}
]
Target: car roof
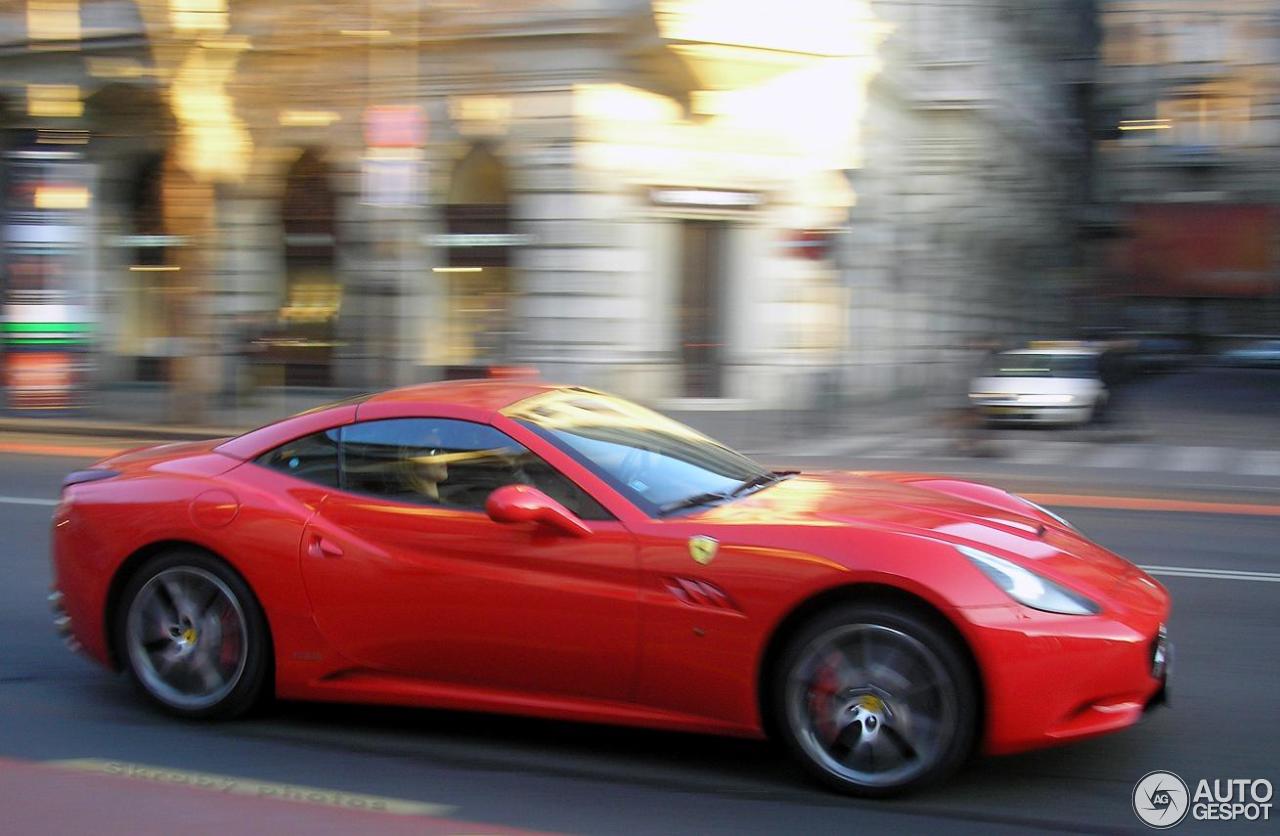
[{"x": 482, "y": 393}]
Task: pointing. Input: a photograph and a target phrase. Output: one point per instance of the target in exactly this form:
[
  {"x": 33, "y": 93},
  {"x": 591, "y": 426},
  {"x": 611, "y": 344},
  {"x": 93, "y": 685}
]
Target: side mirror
[{"x": 523, "y": 503}]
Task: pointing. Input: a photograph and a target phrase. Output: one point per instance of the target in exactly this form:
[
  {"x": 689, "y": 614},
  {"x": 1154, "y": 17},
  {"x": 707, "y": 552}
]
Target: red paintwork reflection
[{"x": 387, "y": 602}]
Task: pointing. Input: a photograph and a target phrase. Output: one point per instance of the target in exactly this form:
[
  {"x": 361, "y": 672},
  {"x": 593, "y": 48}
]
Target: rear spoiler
[{"x": 93, "y": 474}]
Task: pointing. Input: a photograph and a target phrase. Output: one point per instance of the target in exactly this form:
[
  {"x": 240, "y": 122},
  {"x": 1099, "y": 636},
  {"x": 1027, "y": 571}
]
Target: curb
[{"x": 112, "y": 429}]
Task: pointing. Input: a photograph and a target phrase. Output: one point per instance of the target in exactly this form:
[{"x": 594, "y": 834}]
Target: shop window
[
  {"x": 477, "y": 268},
  {"x": 305, "y": 334},
  {"x": 702, "y": 271}
]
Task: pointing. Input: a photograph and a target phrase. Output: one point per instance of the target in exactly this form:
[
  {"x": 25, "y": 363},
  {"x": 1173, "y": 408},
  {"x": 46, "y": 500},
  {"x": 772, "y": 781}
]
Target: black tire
[
  {"x": 234, "y": 620},
  {"x": 833, "y": 715}
]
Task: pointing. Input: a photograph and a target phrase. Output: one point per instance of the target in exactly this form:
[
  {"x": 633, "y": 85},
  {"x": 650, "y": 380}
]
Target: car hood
[{"x": 890, "y": 502}]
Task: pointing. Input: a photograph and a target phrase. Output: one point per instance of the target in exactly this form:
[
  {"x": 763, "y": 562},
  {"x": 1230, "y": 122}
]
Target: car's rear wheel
[
  {"x": 874, "y": 701},
  {"x": 193, "y": 636}
]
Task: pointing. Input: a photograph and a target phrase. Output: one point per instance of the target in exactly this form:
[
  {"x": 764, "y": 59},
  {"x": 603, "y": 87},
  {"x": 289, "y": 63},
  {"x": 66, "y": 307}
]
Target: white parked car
[{"x": 1041, "y": 386}]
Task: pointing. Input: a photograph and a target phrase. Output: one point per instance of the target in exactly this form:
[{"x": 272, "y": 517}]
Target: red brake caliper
[{"x": 822, "y": 693}]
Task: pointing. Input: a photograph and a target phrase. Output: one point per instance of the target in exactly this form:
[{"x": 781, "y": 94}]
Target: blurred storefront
[
  {"x": 1187, "y": 100},
  {"x": 652, "y": 197},
  {"x": 47, "y": 270},
  {"x": 1199, "y": 270}
]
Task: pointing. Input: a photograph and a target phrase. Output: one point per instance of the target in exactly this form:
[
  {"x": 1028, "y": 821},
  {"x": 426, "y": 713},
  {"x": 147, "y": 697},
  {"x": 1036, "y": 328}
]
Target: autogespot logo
[{"x": 1160, "y": 799}]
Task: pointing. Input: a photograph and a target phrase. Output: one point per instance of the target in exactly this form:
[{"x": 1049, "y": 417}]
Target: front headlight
[
  {"x": 1028, "y": 588},
  {"x": 1046, "y": 400}
]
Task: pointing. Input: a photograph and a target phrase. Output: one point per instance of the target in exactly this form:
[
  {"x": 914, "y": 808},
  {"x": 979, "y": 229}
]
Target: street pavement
[
  {"x": 1200, "y": 420},
  {"x": 76, "y": 738}
]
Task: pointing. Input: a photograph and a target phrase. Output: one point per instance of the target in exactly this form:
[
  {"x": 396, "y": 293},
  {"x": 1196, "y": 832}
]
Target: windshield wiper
[
  {"x": 712, "y": 497},
  {"x": 762, "y": 480},
  {"x": 693, "y": 502}
]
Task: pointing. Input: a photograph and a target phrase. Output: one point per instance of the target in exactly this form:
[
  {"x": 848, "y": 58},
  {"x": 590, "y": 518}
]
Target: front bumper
[
  {"x": 1032, "y": 414},
  {"x": 1053, "y": 679}
]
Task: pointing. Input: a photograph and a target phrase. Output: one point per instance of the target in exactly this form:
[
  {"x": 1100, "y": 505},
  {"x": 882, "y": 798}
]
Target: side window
[
  {"x": 313, "y": 457},
  {"x": 453, "y": 464}
]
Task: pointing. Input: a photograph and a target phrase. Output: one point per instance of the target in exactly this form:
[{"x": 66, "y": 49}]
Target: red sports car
[{"x": 520, "y": 547}]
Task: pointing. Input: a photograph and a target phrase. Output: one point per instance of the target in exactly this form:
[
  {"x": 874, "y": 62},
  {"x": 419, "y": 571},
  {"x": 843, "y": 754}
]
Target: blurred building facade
[
  {"x": 1188, "y": 100},
  {"x": 973, "y": 174},
  {"x": 681, "y": 200}
]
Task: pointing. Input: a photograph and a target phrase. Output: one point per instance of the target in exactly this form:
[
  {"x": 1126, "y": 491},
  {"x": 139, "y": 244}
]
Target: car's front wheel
[
  {"x": 873, "y": 700},
  {"x": 193, "y": 636}
]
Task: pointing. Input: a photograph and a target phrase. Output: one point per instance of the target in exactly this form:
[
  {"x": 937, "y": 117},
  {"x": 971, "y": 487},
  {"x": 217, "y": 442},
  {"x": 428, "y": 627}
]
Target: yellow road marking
[
  {"x": 233, "y": 785},
  {"x": 74, "y": 451},
  {"x": 1134, "y": 503}
]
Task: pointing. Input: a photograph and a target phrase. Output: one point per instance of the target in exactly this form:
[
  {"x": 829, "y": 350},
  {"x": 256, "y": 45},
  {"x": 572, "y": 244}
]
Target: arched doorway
[
  {"x": 152, "y": 321},
  {"x": 477, "y": 266},
  {"x": 307, "y": 324},
  {"x": 154, "y": 214}
]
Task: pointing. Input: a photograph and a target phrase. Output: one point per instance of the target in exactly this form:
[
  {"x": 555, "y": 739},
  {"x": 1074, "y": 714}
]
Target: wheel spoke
[
  {"x": 900, "y": 742},
  {"x": 848, "y": 739},
  {"x": 885, "y": 664},
  {"x": 158, "y": 607},
  {"x": 206, "y": 671},
  {"x": 187, "y": 638},
  {"x": 213, "y": 597},
  {"x": 917, "y": 688},
  {"x": 871, "y": 704},
  {"x": 870, "y": 751},
  {"x": 155, "y": 627},
  {"x": 846, "y": 673},
  {"x": 178, "y": 597},
  {"x": 167, "y": 663},
  {"x": 864, "y": 648},
  {"x": 923, "y": 731}
]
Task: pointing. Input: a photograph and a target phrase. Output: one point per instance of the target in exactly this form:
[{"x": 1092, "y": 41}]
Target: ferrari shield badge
[{"x": 703, "y": 549}]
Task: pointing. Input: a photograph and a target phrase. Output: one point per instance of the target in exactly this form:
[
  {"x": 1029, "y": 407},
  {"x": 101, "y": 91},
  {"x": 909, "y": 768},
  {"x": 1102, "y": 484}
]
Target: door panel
[{"x": 451, "y": 596}]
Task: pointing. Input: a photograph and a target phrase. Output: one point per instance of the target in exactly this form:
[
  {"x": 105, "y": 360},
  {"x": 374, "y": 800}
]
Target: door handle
[{"x": 320, "y": 547}]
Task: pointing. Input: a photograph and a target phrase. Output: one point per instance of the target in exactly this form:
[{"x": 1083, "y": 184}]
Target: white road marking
[
  {"x": 1110, "y": 455},
  {"x": 1192, "y": 458},
  {"x": 1260, "y": 463},
  {"x": 1214, "y": 574},
  {"x": 26, "y": 500},
  {"x": 1048, "y": 452}
]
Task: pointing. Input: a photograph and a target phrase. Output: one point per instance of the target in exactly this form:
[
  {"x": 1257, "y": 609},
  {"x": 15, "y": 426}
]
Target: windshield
[
  {"x": 1015, "y": 364},
  {"x": 657, "y": 463}
]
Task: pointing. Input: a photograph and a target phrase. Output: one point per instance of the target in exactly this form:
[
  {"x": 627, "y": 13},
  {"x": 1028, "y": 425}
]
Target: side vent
[{"x": 698, "y": 593}]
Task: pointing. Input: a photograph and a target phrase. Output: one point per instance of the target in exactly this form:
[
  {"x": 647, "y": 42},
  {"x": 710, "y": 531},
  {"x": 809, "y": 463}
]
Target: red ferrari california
[{"x": 520, "y": 547}]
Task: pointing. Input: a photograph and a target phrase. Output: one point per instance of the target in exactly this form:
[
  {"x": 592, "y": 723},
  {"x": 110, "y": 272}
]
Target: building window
[
  {"x": 1206, "y": 120},
  {"x": 306, "y": 332},
  {"x": 704, "y": 251},
  {"x": 477, "y": 271}
]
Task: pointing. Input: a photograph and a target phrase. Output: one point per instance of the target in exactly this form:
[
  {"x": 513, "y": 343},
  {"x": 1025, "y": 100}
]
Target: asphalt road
[{"x": 493, "y": 772}]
